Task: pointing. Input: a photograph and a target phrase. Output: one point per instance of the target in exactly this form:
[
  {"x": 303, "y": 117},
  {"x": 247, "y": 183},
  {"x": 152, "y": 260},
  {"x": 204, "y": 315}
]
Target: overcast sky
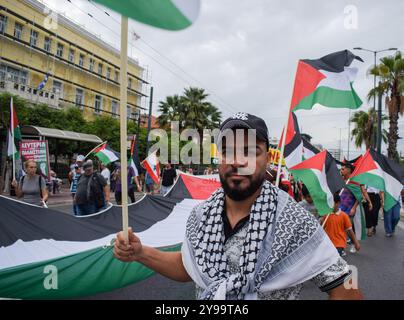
[{"x": 245, "y": 52}]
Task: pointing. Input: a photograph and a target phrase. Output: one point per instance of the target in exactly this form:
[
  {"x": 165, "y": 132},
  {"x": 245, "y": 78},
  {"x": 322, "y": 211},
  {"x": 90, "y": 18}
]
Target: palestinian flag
[
  {"x": 293, "y": 152},
  {"x": 106, "y": 154},
  {"x": 152, "y": 166},
  {"x": 60, "y": 256},
  {"x": 327, "y": 82},
  {"x": 321, "y": 177},
  {"x": 376, "y": 170},
  {"x": 165, "y": 14},
  {"x": 359, "y": 222},
  {"x": 308, "y": 149},
  {"x": 14, "y": 133}
]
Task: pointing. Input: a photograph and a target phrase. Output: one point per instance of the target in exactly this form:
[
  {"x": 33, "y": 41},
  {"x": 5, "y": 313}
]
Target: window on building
[
  {"x": 59, "y": 51},
  {"x": 71, "y": 55},
  {"x": 98, "y": 104},
  {"x": 3, "y": 72},
  {"x": 129, "y": 112},
  {"x": 47, "y": 44},
  {"x": 3, "y": 23},
  {"x": 33, "y": 38},
  {"x": 13, "y": 74},
  {"x": 114, "y": 108},
  {"x": 81, "y": 60},
  {"x": 100, "y": 68},
  {"x": 129, "y": 83},
  {"x": 18, "y": 30},
  {"x": 57, "y": 87},
  {"x": 91, "y": 66},
  {"x": 79, "y": 98},
  {"x": 23, "y": 77},
  {"x": 108, "y": 72},
  {"x": 116, "y": 76}
]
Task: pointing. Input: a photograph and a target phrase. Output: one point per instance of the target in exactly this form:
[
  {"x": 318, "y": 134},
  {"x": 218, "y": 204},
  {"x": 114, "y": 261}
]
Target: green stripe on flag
[
  {"x": 82, "y": 274},
  {"x": 377, "y": 182},
  {"x": 331, "y": 98},
  {"x": 317, "y": 193},
  {"x": 103, "y": 158},
  {"x": 158, "y": 13}
]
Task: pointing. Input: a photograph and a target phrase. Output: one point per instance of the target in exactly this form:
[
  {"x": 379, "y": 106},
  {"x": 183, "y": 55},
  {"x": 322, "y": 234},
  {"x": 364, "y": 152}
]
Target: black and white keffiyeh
[{"x": 209, "y": 243}]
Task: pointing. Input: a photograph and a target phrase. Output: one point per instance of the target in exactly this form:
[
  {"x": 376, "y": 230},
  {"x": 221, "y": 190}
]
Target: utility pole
[
  {"x": 377, "y": 142},
  {"x": 379, "y": 123},
  {"x": 349, "y": 132},
  {"x": 149, "y": 120}
]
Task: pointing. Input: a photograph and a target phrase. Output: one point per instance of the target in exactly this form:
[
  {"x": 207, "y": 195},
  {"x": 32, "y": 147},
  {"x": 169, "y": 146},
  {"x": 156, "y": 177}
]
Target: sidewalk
[{"x": 65, "y": 198}]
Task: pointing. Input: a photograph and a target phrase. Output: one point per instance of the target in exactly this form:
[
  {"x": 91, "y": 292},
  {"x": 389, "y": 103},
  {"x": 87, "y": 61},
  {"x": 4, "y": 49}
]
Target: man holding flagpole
[{"x": 249, "y": 240}]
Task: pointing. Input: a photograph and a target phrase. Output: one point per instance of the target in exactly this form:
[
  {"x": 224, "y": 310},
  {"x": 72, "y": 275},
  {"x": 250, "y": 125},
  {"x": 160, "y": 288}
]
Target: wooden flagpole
[
  {"x": 123, "y": 121},
  {"x": 94, "y": 149},
  {"x": 285, "y": 129}
]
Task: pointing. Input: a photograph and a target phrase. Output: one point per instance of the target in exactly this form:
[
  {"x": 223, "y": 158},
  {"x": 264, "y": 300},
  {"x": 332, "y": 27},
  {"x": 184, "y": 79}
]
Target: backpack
[
  {"x": 40, "y": 184},
  {"x": 94, "y": 187}
]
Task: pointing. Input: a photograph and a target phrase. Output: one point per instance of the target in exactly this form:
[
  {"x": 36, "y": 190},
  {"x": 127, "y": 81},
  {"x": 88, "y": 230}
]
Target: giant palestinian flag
[
  {"x": 46, "y": 254},
  {"x": 321, "y": 177},
  {"x": 327, "y": 82},
  {"x": 165, "y": 14},
  {"x": 376, "y": 170},
  {"x": 293, "y": 152}
]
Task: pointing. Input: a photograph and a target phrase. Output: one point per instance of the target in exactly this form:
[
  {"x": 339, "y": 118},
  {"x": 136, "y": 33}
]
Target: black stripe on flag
[
  {"x": 389, "y": 166},
  {"x": 296, "y": 140},
  {"x": 28, "y": 223},
  {"x": 307, "y": 145},
  {"x": 334, "y": 178},
  {"x": 333, "y": 62}
]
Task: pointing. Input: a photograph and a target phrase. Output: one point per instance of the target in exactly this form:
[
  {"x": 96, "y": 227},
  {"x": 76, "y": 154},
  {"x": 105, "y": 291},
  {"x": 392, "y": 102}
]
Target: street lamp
[{"x": 379, "y": 110}]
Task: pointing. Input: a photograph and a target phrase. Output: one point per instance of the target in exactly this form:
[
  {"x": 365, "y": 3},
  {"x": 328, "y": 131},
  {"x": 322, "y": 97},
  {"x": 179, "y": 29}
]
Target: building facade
[{"x": 47, "y": 59}]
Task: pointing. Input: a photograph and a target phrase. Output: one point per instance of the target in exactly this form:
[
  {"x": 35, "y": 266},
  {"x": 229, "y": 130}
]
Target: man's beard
[{"x": 237, "y": 193}]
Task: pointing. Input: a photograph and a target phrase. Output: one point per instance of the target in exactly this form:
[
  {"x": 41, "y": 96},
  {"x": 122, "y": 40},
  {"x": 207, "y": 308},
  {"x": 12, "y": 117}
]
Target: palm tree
[
  {"x": 391, "y": 74},
  {"x": 365, "y": 128},
  {"x": 194, "y": 101},
  {"x": 171, "y": 109}
]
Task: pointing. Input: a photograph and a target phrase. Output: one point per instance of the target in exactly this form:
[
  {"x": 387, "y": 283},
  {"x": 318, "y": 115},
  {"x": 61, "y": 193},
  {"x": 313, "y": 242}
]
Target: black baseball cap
[{"x": 242, "y": 120}]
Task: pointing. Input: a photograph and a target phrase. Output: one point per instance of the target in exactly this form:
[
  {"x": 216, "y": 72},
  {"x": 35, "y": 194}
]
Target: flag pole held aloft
[{"x": 123, "y": 126}]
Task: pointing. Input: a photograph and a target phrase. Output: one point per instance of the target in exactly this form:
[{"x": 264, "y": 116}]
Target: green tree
[
  {"x": 171, "y": 109},
  {"x": 391, "y": 75},
  {"x": 191, "y": 110},
  {"x": 199, "y": 113},
  {"x": 365, "y": 128}
]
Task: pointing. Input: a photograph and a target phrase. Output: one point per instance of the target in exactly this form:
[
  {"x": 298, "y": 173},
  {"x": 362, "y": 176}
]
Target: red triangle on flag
[
  {"x": 306, "y": 81},
  {"x": 365, "y": 164},
  {"x": 315, "y": 162}
]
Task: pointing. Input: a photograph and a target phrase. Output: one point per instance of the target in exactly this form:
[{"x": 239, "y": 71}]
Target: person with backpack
[
  {"x": 31, "y": 187},
  {"x": 92, "y": 193}
]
